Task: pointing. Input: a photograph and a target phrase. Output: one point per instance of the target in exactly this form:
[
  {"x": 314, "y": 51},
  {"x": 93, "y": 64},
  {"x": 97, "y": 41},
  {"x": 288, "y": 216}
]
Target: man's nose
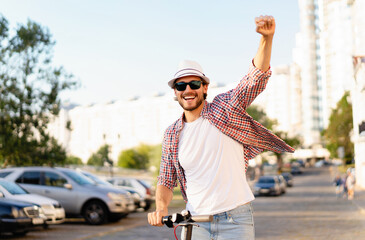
[{"x": 188, "y": 89}]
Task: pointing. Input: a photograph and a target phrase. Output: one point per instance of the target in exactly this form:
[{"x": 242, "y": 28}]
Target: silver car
[
  {"x": 137, "y": 199},
  {"x": 52, "y": 210},
  {"x": 144, "y": 189},
  {"x": 76, "y": 193}
]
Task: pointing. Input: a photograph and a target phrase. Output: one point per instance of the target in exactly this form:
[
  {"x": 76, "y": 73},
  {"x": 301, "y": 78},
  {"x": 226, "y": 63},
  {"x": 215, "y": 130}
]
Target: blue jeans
[{"x": 234, "y": 224}]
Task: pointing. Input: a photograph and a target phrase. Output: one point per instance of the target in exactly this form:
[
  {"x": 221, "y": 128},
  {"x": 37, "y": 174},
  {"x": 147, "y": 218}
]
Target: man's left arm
[
  {"x": 255, "y": 81},
  {"x": 265, "y": 25}
]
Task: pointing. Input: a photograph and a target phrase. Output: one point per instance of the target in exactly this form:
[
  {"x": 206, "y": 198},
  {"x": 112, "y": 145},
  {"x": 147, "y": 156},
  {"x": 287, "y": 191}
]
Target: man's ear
[{"x": 205, "y": 88}]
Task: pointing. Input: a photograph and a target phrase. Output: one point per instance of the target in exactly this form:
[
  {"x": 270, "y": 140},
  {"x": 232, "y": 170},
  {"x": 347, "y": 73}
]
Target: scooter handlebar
[{"x": 184, "y": 216}]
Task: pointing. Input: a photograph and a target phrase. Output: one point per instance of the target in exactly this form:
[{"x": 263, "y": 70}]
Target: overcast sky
[{"x": 119, "y": 49}]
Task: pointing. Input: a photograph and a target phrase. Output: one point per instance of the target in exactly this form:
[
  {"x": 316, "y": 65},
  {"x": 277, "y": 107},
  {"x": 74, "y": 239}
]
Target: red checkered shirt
[{"x": 227, "y": 112}]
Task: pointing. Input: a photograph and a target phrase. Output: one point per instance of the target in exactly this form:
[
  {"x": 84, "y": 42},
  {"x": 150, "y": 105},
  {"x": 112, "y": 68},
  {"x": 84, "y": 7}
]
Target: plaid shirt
[{"x": 227, "y": 112}]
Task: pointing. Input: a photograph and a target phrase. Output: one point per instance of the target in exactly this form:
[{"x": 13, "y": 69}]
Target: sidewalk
[{"x": 359, "y": 199}]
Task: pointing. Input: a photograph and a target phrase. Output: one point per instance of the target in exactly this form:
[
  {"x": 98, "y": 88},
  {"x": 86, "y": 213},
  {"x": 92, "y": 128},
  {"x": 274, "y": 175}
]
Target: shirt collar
[{"x": 204, "y": 114}]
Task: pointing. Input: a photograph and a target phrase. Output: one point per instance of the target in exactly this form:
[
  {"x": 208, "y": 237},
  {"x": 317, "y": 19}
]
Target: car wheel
[
  {"x": 116, "y": 218},
  {"x": 148, "y": 205},
  {"x": 20, "y": 234},
  {"x": 95, "y": 212}
]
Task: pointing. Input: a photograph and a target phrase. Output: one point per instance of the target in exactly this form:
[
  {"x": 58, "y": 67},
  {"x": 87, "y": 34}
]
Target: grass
[{"x": 343, "y": 168}]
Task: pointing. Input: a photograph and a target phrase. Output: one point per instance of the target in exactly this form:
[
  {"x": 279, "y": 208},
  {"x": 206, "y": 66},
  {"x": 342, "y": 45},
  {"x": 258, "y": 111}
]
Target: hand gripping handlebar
[{"x": 185, "y": 216}]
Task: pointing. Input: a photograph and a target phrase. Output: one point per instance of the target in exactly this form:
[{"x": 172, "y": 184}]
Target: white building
[
  {"x": 127, "y": 123},
  {"x": 305, "y": 57},
  {"x": 358, "y": 88},
  {"x": 280, "y": 100},
  {"x": 336, "y": 49},
  {"x": 120, "y": 124}
]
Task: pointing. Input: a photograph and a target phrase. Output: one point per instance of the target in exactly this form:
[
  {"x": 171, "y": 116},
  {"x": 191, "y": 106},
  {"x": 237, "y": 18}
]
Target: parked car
[
  {"x": 18, "y": 217},
  {"x": 139, "y": 202},
  {"x": 288, "y": 178},
  {"x": 52, "y": 209},
  {"x": 267, "y": 185},
  {"x": 143, "y": 188},
  {"x": 296, "y": 170},
  {"x": 76, "y": 193}
]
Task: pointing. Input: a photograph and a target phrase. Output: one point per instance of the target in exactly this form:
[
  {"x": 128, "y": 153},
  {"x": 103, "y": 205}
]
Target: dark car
[
  {"x": 296, "y": 170},
  {"x": 267, "y": 185},
  {"x": 18, "y": 217},
  {"x": 288, "y": 178}
]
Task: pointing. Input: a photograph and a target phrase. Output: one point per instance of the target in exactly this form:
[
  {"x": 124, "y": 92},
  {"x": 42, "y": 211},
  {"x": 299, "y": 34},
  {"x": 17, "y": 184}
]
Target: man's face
[{"x": 190, "y": 99}]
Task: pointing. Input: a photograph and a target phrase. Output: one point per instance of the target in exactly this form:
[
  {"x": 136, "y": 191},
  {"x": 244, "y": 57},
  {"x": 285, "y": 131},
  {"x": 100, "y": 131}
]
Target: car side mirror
[
  {"x": 1, "y": 195},
  {"x": 68, "y": 186}
]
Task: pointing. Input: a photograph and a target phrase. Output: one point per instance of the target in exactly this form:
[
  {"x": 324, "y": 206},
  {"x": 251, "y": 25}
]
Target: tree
[
  {"x": 259, "y": 115},
  {"x": 29, "y": 95},
  {"x": 73, "y": 160},
  {"x": 100, "y": 157},
  {"x": 338, "y": 132},
  {"x": 140, "y": 157}
]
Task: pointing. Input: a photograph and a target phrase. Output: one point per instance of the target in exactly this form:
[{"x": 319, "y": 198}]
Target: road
[{"x": 309, "y": 210}]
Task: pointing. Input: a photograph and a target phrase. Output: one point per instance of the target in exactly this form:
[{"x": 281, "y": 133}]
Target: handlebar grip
[
  {"x": 202, "y": 218},
  {"x": 167, "y": 221}
]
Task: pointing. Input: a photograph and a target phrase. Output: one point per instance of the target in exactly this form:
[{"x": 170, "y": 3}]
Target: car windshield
[
  {"x": 145, "y": 184},
  {"x": 79, "y": 178},
  {"x": 266, "y": 180},
  {"x": 12, "y": 188},
  {"x": 4, "y": 174},
  {"x": 97, "y": 179}
]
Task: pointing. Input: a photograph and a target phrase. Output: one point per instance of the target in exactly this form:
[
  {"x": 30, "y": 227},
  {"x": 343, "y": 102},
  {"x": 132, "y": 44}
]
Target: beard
[{"x": 199, "y": 99}]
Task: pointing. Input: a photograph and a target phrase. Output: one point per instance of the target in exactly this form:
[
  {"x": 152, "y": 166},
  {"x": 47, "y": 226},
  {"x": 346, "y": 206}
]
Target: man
[{"x": 204, "y": 150}]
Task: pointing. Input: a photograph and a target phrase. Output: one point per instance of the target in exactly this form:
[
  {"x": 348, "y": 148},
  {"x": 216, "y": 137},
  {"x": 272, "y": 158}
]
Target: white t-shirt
[{"x": 214, "y": 169}]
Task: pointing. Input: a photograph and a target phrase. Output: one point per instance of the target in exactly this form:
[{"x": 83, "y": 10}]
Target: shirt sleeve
[
  {"x": 249, "y": 87},
  {"x": 167, "y": 176}
]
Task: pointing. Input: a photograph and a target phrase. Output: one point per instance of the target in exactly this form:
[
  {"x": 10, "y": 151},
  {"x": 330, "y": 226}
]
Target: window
[
  {"x": 78, "y": 178},
  {"x": 4, "y": 174},
  {"x": 53, "y": 179},
  {"x": 30, "y": 177},
  {"x": 12, "y": 188}
]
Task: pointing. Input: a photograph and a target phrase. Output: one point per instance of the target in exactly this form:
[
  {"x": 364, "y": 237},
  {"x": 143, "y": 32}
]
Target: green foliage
[
  {"x": 155, "y": 157},
  {"x": 140, "y": 157},
  {"x": 339, "y": 128},
  {"x": 100, "y": 157},
  {"x": 259, "y": 115},
  {"x": 73, "y": 160},
  {"x": 29, "y": 95},
  {"x": 131, "y": 158}
]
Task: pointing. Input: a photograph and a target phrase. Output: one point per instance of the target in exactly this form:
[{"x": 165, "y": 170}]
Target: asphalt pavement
[{"x": 309, "y": 210}]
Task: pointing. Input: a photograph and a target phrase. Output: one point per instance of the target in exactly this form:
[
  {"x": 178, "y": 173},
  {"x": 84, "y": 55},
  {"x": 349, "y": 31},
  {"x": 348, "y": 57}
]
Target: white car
[{"x": 50, "y": 208}]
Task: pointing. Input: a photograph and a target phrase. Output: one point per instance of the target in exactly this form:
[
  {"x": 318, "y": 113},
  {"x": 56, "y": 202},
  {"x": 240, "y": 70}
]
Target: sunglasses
[{"x": 181, "y": 86}]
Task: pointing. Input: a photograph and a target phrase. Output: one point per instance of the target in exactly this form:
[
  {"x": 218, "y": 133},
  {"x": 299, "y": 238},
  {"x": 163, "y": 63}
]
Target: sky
[{"x": 119, "y": 49}]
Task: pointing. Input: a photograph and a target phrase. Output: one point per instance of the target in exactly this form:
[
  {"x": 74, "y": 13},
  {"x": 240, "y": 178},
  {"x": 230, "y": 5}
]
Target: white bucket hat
[{"x": 188, "y": 68}]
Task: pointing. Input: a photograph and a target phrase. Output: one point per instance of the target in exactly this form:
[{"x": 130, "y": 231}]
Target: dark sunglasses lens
[
  {"x": 181, "y": 86},
  {"x": 195, "y": 84}
]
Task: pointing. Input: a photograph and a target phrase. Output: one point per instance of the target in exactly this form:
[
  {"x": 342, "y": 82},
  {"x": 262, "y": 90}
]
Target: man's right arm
[{"x": 163, "y": 199}]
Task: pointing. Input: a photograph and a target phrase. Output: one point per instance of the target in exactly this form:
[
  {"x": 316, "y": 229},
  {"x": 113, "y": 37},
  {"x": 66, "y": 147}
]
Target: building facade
[{"x": 358, "y": 87}]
